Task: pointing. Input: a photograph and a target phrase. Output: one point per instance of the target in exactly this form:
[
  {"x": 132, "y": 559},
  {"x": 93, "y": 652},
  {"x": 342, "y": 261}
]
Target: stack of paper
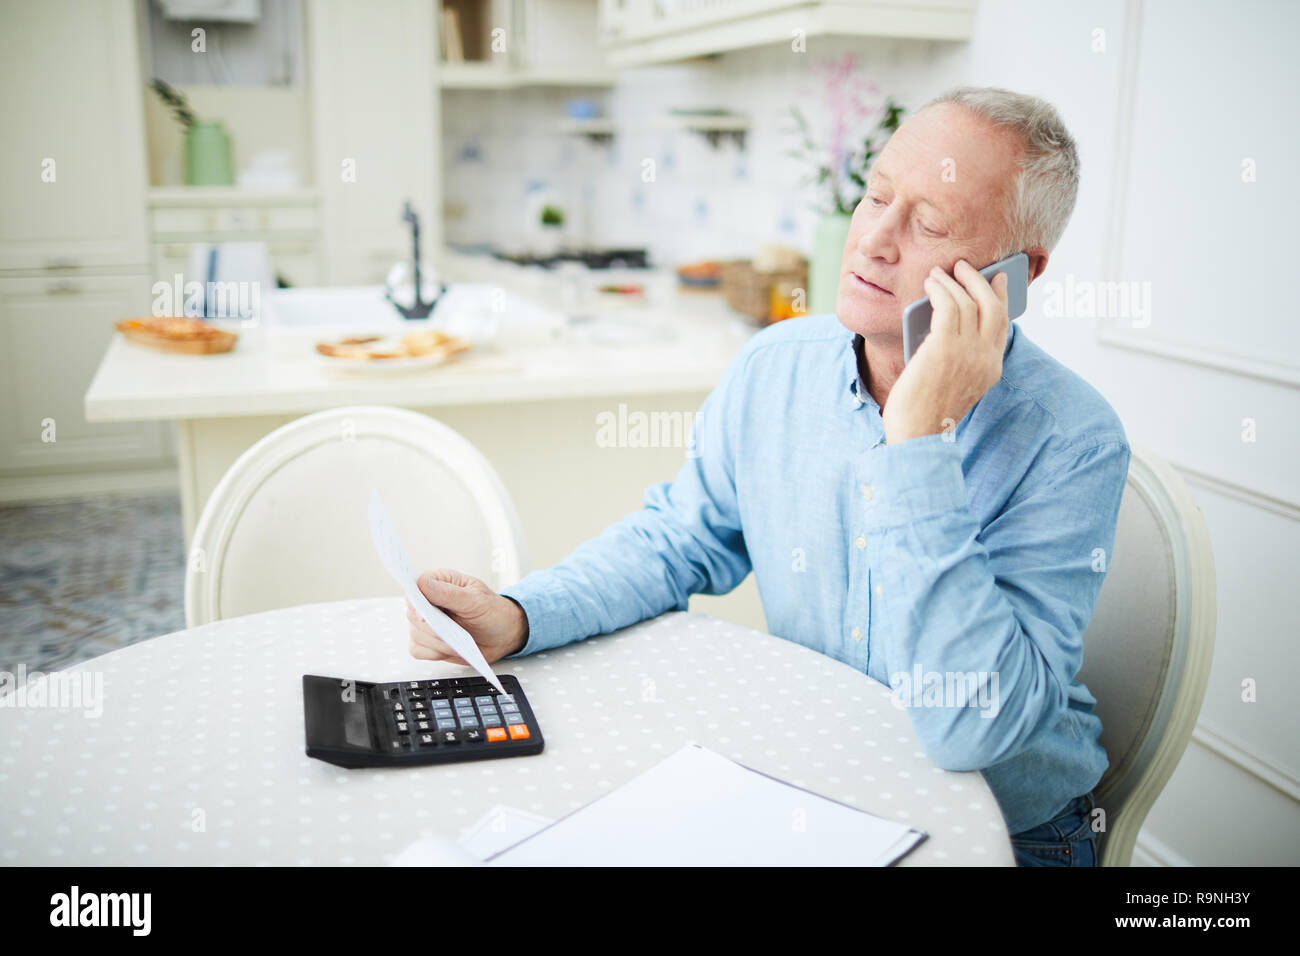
[{"x": 697, "y": 808}]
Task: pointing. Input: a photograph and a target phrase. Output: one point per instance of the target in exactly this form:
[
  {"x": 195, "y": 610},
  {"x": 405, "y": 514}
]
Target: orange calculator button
[
  {"x": 494, "y": 734},
  {"x": 518, "y": 731}
]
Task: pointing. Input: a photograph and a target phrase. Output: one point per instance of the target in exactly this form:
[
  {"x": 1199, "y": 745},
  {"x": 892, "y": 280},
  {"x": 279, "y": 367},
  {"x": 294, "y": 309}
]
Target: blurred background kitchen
[{"x": 610, "y": 197}]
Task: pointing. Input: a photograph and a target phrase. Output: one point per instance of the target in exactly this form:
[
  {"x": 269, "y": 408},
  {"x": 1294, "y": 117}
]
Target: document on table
[
  {"x": 697, "y": 808},
  {"x": 497, "y": 829},
  {"x": 398, "y": 563}
]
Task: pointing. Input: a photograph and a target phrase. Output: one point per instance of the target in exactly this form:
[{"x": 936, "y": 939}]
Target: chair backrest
[
  {"x": 1148, "y": 647},
  {"x": 287, "y": 524}
]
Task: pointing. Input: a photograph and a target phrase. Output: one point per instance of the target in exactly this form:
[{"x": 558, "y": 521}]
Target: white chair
[
  {"x": 287, "y": 524},
  {"x": 1148, "y": 648}
]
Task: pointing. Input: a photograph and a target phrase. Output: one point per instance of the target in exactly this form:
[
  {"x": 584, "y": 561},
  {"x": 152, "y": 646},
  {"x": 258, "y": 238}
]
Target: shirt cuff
[
  {"x": 911, "y": 480},
  {"x": 547, "y": 608}
]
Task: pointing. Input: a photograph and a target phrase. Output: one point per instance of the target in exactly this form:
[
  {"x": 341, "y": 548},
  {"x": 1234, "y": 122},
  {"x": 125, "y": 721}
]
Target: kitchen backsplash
[{"x": 703, "y": 202}]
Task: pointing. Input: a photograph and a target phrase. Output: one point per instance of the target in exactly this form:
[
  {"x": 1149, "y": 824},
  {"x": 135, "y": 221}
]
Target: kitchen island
[{"x": 578, "y": 422}]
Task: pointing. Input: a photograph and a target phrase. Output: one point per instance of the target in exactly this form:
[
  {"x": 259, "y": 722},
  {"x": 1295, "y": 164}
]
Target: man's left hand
[{"x": 959, "y": 360}]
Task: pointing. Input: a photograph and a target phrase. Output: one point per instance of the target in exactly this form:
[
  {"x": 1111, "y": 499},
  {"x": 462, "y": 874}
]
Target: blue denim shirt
[{"x": 960, "y": 569}]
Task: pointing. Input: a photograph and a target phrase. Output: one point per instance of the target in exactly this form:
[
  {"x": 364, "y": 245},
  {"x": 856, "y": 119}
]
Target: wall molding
[
  {"x": 1282, "y": 507},
  {"x": 1157, "y": 852},
  {"x": 1233, "y": 749},
  {"x": 1205, "y": 356},
  {"x": 1194, "y": 353}
]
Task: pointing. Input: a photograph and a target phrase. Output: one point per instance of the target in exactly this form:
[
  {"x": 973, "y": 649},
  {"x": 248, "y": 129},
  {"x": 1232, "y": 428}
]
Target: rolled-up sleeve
[
  {"x": 1000, "y": 609},
  {"x": 686, "y": 539}
]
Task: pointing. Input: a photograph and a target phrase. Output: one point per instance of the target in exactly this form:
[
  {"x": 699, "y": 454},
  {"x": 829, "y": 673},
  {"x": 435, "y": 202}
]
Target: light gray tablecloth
[{"x": 197, "y": 757}]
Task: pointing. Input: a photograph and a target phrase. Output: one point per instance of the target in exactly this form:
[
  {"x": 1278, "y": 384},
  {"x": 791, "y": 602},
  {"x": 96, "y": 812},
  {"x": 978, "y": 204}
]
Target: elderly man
[{"x": 952, "y": 517}]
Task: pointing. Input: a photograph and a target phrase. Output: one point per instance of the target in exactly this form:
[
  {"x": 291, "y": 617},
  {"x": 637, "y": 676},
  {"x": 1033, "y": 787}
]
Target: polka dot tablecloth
[{"x": 197, "y": 756}]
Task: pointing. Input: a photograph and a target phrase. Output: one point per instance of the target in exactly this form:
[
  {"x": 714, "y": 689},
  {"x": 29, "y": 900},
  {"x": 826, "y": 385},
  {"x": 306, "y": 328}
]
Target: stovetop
[{"x": 592, "y": 258}]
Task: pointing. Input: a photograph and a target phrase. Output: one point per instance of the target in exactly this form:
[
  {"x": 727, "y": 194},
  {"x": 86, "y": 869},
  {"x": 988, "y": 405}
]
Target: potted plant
[
  {"x": 208, "y": 159},
  {"x": 840, "y": 168},
  {"x": 551, "y": 236}
]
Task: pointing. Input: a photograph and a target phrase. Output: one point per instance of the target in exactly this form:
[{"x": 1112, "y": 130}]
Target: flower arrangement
[{"x": 842, "y": 166}]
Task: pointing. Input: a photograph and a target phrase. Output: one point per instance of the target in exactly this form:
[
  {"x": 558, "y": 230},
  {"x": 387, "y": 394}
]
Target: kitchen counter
[
  {"x": 690, "y": 338},
  {"x": 531, "y": 400}
]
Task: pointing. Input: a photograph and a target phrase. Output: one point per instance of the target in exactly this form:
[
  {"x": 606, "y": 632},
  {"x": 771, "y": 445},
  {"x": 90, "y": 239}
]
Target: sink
[{"x": 478, "y": 312}]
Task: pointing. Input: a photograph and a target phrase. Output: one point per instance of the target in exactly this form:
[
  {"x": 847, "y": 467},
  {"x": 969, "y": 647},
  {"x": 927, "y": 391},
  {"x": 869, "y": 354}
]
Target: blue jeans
[{"x": 1065, "y": 840}]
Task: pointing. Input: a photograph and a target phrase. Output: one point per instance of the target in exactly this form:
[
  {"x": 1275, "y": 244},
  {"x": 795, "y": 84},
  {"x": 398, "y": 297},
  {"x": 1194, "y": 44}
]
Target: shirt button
[
  {"x": 857, "y": 633},
  {"x": 867, "y": 492},
  {"x": 861, "y": 542}
]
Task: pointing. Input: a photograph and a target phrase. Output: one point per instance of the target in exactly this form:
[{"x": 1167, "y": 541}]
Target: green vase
[
  {"x": 208, "y": 159},
  {"x": 824, "y": 266}
]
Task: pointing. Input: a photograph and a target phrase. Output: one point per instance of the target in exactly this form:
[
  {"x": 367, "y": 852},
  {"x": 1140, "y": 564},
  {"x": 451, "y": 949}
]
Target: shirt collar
[{"x": 853, "y": 345}]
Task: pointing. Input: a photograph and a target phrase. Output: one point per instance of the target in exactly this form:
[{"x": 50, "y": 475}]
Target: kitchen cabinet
[
  {"x": 74, "y": 250},
  {"x": 53, "y": 332},
  {"x": 546, "y": 43},
  {"x": 375, "y": 119},
  {"x": 71, "y": 79},
  {"x": 637, "y": 32}
]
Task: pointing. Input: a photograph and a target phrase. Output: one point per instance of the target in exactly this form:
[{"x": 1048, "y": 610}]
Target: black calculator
[{"x": 358, "y": 724}]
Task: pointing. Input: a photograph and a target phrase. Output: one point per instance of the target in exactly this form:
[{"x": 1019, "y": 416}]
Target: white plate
[{"x": 382, "y": 366}]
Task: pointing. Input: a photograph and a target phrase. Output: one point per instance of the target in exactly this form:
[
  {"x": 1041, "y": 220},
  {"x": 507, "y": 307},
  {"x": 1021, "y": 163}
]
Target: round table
[{"x": 197, "y": 757}]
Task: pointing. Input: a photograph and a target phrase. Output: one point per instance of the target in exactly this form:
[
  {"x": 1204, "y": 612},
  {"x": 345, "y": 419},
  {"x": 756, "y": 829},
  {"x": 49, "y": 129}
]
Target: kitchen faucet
[{"x": 418, "y": 309}]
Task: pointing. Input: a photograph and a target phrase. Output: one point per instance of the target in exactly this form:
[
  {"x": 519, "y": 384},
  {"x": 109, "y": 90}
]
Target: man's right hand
[{"x": 497, "y": 624}]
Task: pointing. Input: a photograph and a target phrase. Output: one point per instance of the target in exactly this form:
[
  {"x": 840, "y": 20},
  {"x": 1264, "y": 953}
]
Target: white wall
[{"x": 1181, "y": 93}]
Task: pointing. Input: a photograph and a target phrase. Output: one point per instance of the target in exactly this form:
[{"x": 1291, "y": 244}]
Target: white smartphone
[{"x": 916, "y": 317}]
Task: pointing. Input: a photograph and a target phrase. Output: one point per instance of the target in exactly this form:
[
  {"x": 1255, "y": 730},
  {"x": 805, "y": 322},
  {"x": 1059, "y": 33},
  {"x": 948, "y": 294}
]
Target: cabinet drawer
[{"x": 55, "y": 332}]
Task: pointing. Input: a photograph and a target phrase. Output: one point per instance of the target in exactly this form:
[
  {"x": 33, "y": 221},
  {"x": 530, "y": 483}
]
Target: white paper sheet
[
  {"x": 697, "y": 808},
  {"x": 499, "y": 828},
  {"x": 398, "y": 563}
]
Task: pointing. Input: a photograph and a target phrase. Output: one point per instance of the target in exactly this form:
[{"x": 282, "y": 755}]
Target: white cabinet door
[
  {"x": 53, "y": 334},
  {"x": 376, "y": 120},
  {"x": 72, "y": 170}
]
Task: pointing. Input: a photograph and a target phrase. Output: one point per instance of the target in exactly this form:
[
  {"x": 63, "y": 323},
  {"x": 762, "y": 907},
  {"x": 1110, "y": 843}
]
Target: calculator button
[
  {"x": 468, "y": 721},
  {"x": 428, "y": 740},
  {"x": 496, "y": 734},
  {"x": 472, "y": 736},
  {"x": 435, "y": 684},
  {"x": 512, "y": 716},
  {"x": 397, "y": 706},
  {"x": 449, "y": 737},
  {"x": 504, "y": 699},
  {"x": 491, "y": 720},
  {"x": 484, "y": 700},
  {"x": 423, "y": 725},
  {"x": 401, "y": 727},
  {"x": 519, "y": 732},
  {"x": 413, "y": 684},
  {"x": 415, "y": 694}
]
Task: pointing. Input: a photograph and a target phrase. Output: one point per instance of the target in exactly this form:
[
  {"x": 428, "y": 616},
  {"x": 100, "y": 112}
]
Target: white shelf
[
  {"x": 587, "y": 127},
  {"x": 644, "y": 34},
  {"x": 490, "y": 76}
]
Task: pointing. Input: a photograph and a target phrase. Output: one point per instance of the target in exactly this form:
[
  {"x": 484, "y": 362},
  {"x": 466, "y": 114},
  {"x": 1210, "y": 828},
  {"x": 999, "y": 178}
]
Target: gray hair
[{"x": 1042, "y": 198}]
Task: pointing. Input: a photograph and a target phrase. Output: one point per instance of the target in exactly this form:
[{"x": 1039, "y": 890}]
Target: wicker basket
[{"x": 749, "y": 291}]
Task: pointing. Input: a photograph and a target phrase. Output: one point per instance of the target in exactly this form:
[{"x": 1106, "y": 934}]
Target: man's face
[{"x": 934, "y": 195}]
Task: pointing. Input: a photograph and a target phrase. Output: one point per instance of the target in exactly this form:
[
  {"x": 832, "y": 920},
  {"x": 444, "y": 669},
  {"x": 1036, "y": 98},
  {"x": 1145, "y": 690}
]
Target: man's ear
[{"x": 1037, "y": 261}]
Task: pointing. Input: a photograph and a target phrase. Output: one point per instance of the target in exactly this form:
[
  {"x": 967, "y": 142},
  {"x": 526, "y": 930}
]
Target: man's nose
[{"x": 879, "y": 240}]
